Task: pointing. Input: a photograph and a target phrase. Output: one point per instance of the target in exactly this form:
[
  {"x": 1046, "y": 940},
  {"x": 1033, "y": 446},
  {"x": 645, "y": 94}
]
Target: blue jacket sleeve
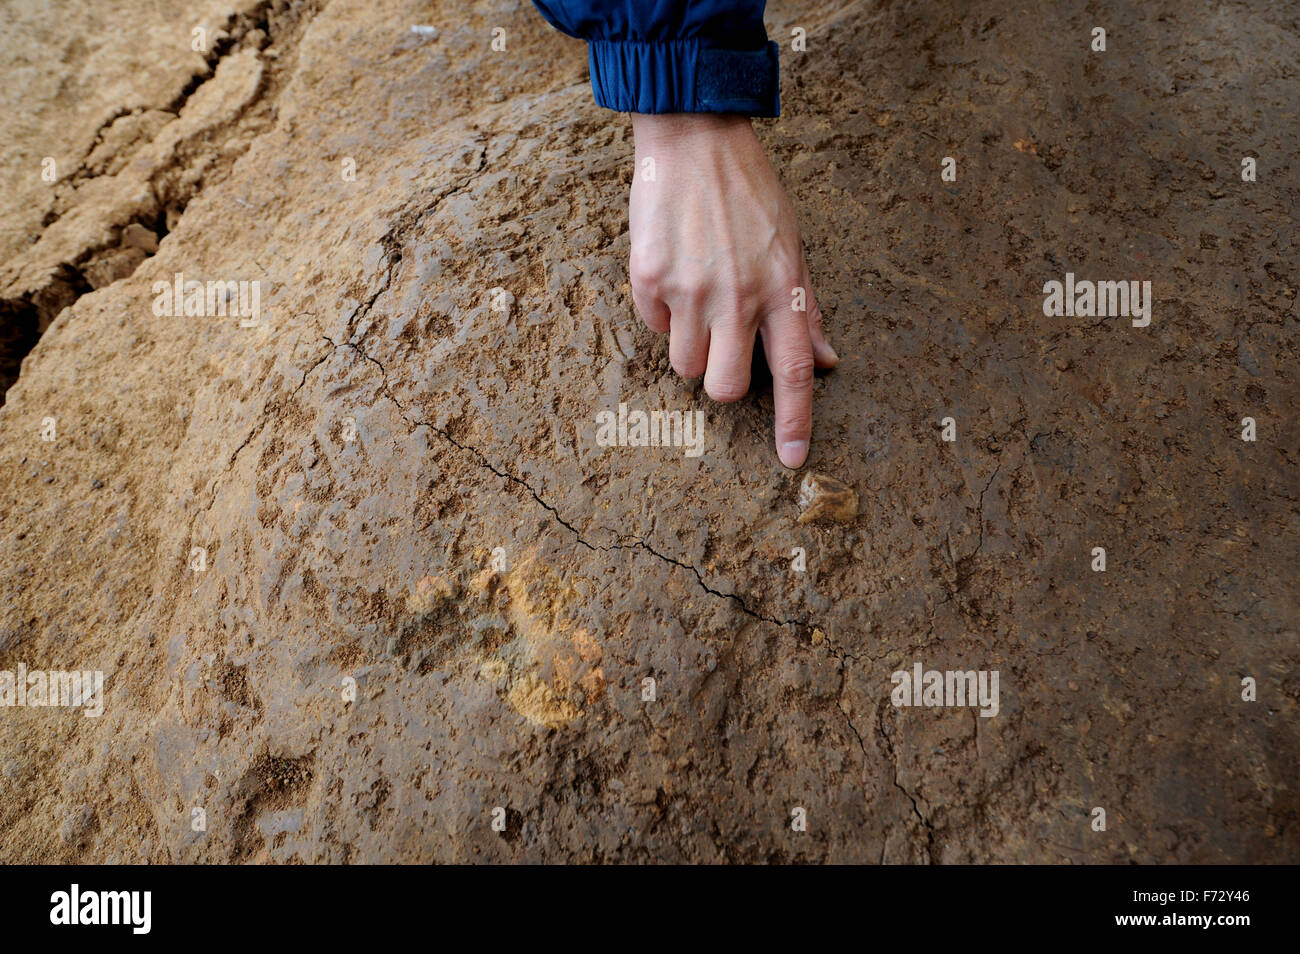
[{"x": 674, "y": 56}]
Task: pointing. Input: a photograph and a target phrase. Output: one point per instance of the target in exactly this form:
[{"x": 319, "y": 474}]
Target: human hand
[{"x": 717, "y": 258}]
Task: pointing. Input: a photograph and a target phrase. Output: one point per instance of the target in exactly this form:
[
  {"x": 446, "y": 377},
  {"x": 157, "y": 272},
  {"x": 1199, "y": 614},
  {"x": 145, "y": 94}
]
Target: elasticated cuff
[{"x": 684, "y": 76}]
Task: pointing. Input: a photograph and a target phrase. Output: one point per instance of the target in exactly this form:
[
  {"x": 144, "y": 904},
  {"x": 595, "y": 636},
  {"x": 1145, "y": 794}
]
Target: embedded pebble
[
  {"x": 825, "y": 498},
  {"x": 136, "y": 235}
]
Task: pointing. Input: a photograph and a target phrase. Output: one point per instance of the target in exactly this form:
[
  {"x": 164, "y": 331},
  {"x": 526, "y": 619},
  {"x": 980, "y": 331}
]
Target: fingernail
[
  {"x": 828, "y": 355},
  {"x": 793, "y": 453}
]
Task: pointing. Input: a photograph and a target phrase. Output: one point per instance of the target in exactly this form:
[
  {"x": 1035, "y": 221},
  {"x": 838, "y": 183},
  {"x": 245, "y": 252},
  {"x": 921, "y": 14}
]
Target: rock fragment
[
  {"x": 136, "y": 235},
  {"x": 825, "y": 498}
]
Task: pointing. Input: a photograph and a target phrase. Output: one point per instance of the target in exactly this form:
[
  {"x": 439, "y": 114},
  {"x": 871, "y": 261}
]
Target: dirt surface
[{"x": 351, "y": 464}]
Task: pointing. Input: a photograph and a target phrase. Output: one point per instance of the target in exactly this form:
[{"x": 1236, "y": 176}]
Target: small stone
[
  {"x": 136, "y": 235},
  {"x": 825, "y": 498},
  {"x": 96, "y": 484},
  {"x": 112, "y": 265}
]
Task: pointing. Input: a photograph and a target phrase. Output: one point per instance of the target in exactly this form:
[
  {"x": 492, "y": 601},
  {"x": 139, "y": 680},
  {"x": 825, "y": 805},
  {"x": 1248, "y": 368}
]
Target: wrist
[{"x": 655, "y": 131}]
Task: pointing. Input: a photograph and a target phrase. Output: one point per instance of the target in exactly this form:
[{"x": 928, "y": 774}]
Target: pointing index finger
[{"x": 788, "y": 346}]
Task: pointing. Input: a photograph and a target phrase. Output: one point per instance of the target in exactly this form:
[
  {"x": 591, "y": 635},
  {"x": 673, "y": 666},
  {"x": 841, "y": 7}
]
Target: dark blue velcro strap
[{"x": 738, "y": 81}]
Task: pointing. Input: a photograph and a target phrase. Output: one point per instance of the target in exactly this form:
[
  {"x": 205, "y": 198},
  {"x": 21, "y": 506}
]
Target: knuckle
[
  {"x": 790, "y": 427},
  {"x": 738, "y": 285},
  {"x": 643, "y": 289},
  {"x": 693, "y": 294},
  {"x": 647, "y": 268},
  {"x": 793, "y": 423},
  {"x": 795, "y": 367}
]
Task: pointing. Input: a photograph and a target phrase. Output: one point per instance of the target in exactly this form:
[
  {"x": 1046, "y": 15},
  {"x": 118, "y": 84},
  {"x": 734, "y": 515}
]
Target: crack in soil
[
  {"x": 408, "y": 221},
  {"x": 631, "y": 542},
  {"x": 963, "y": 567},
  {"x": 926, "y": 825},
  {"x": 980, "y": 544}
]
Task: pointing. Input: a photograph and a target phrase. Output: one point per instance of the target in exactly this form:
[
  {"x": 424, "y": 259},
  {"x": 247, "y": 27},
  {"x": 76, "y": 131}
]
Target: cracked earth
[{"x": 395, "y": 482}]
